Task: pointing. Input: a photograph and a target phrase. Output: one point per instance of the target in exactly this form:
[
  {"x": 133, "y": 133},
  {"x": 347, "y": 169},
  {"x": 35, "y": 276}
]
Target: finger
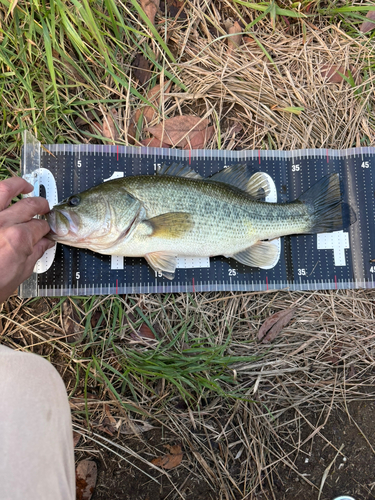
[
  {"x": 39, "y": 249},
  {"x": 36, "y": 228},
  {"x": 10, "y": 188},
  {"x": 24, "y": 210}
]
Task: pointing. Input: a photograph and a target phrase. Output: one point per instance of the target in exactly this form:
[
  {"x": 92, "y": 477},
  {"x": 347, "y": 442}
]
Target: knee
[{"x": 31, "y": 376}]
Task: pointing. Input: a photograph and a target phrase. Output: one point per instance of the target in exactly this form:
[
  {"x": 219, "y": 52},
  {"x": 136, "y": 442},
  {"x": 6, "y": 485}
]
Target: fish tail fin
[{"x": 328, "y": 211}]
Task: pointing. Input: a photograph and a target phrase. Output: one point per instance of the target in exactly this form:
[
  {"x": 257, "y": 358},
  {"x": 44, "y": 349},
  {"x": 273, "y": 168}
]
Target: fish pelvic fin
[
  {"x": 170, "y": 225},
  {"x": 163, "y": 262},
  {"x": 256, "y": 186},
  {"x": 328, "y": 211},
  {"x": 261, "y": 254}
]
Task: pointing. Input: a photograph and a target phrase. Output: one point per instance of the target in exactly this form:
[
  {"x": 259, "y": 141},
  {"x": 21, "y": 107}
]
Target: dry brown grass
[{"x": 321, "y": 361}]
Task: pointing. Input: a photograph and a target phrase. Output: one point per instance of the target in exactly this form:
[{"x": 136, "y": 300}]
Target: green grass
[
  {"x": 191, "y": 367},
  {"x": 55, "y": 59}
]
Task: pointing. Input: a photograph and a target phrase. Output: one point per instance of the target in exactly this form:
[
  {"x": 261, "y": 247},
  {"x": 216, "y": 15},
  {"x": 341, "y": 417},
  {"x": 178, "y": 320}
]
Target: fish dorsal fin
[
  {"x": 237, "y": 175},
  {"x": 170, "y": 225},
  {"x": 178, "y": 170},
  {"x": 263, "y": 253},
  {"x": 163, "y": 262}
]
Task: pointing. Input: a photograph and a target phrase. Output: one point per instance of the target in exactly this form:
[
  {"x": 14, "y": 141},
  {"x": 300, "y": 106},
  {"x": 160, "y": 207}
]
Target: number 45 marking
[{"x": 365, "y": 164}]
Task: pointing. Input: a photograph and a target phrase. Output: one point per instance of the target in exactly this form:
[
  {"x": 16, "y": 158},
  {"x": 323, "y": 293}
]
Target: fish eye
[{"x": 74, "y": 201}]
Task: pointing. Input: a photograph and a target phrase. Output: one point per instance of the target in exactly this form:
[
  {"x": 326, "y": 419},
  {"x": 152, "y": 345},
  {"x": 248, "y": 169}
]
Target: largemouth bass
[{"x": 177, "y": 212}]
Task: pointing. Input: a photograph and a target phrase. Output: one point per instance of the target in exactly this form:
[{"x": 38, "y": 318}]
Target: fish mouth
[{"x": 61, "y": 224}]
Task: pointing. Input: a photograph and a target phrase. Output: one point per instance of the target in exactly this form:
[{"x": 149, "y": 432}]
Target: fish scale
[{"x": 308, "y": 262}]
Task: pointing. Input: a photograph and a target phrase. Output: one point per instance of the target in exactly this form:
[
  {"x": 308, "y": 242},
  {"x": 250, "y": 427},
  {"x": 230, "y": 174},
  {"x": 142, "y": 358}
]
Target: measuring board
[{"x": 344, "y": 259}]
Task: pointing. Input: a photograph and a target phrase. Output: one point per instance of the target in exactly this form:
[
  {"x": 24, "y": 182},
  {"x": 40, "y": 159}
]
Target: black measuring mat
[{"x": 344, "y": 259}]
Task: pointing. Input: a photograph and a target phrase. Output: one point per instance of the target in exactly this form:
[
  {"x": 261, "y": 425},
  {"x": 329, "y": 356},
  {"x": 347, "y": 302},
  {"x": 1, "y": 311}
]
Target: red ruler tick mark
[
  {"x": 267, "y": 282},
  {"x": 335, "y": 281},
  {"x": 327, "y": 156},
  {"x": 259, "y": 155},
  {"x": 117, "y": 153},
  {"x": 116, "y": 287},
  {"x": 193, "y": 285},
  {"x": 189, "y": 156}
]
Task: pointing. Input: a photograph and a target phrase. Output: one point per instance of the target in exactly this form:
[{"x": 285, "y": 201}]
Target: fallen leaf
[
  {"x": 334, "y": 356},
  {"x": 175, "y": 131},
  {"x": 109, "y": 129},
  {"x": 89, "y": 116},
  {"x": 171, "y": 460},
  {"x": 146, "y": 332},
  {"x": 368, "y": 25},
  {"x": 132, "y": 428},
  {"x": 76, "y": 438},
  {"x": 109, "y": 415},
  {"x": 237, "y": 128},
  {"x": 96, "y": 128},
  {"x": 104, "y": 426},
  {"x": 153, "y": 142},
  {"x": 332, "y": 73},
  {"x": 95, "y": 317},
  {"x": 86, "y": 474},
  {"x": 236, "y": 34},
  {"x": 70, "y": 322},
  {"x": 198, "y": 139},
  {"x": 150, "y": 8},
  {"x": 249, "y": 41},
  {"x": 274, "y": 324},
  {"x": 157, "y": 98},
  {"x": 175, "y": 8},
  {"x": 142, "y": 69},
  {"x": 131, "y": 132},
  {"x": 144, "y": 335}
]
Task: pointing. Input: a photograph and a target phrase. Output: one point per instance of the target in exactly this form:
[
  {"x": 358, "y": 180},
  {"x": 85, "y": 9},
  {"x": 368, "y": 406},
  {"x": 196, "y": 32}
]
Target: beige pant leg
[{"x": 36, "y": 442}]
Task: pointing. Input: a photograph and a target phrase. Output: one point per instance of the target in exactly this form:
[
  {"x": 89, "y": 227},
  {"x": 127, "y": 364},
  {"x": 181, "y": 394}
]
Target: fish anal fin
[
  {"x": 163, "y": 262},
  {"x": 261, "y": 254},
  {"x": 178, "y": 170},
  {"x": 257, "y": 186},
  {"x": 170, "y": 225}
]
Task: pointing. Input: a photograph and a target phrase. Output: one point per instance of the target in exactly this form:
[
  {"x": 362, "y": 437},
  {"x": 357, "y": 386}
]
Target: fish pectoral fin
[
  {"x": 163, "y": 262},
  {"x": 237, "y": 175},
  {"x": 170, "y": 225},
  {"x": 178, "y": 170},
  {"x": 263, "y": 253}
]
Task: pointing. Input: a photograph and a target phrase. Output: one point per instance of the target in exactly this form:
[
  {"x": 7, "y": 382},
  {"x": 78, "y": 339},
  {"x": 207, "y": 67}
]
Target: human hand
[{"x": 22, "y": 238}]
